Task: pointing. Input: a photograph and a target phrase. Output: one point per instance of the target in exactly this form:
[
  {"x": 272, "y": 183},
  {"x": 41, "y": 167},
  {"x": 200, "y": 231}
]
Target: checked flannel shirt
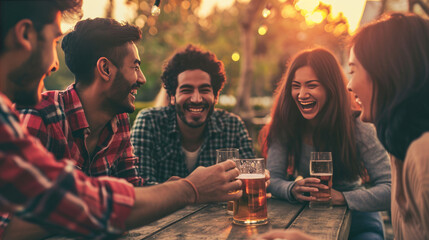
[
  {"x": 59, "y": 122},
  {"x": 38, "y": 188},
  {"x": 156, "y": 140}
]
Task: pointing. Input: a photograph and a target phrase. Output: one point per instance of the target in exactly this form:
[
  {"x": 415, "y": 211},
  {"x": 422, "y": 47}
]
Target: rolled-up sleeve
[{"x": 40, "y": 189}]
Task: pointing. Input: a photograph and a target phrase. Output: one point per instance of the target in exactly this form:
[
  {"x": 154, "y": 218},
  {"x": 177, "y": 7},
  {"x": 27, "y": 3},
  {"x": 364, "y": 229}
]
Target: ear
[
  {"x": 172, "y": 100},
  {"x": 25, "y": 34},
  {"x": 104, "y": 68}
]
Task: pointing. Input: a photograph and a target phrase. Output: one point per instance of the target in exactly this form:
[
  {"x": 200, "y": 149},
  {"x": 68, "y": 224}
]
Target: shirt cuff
[{"x": 123, "y": 201}]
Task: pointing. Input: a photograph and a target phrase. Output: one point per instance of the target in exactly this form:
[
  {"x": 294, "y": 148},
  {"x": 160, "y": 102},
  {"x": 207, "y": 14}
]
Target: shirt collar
[
  {"x": 75, "y": 112},
  {"x": 73, "y": 109}
]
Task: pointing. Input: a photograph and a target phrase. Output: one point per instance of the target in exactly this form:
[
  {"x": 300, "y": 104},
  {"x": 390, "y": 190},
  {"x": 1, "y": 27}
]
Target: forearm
[
  {"x": 157, "y": 201},
  {"x": 282, "y": 189},
  {"x": 376, "y": 198},
  {"x": 20, "y": 229}
]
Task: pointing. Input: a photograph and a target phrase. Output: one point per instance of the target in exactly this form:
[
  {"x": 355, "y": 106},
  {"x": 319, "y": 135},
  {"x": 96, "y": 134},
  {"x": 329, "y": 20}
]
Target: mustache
[
  {"x": 204, "y": 104},
  {"x": 136, "y": 85}
]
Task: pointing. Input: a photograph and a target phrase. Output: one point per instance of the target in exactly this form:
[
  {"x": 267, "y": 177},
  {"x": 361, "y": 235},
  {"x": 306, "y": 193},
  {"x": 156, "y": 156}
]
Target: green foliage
[{"x": 139, "y": 106}]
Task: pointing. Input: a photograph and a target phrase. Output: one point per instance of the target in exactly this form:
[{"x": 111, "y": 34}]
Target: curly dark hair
[
  {"x": 95, "y": 38},
  {"x": 39, "y": 12},
  {"x": 191, "y": 58}
]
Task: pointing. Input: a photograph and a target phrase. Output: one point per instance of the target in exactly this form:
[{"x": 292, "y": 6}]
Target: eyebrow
[
  {"x": 310, "y": 81},
  {"x": 137, "y": 62},
  {"x": 191, "y": 86},
  {"x": 205, "y": 85},
  {"x": 352, "y": 64}
]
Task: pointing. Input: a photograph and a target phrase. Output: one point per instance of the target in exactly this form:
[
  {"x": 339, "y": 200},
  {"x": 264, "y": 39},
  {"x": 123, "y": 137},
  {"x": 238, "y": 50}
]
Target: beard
[
  {"x": 181, "y": 113},
  {"x": 119, "y": 96},
  {"x": 27, "y": 82}
]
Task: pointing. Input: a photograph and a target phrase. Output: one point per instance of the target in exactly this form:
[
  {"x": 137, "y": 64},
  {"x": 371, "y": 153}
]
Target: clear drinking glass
[
  {"x": 222, "y": 155},
  {"x": 251, "y": 208},
  {"x": 321, "y": 168}
]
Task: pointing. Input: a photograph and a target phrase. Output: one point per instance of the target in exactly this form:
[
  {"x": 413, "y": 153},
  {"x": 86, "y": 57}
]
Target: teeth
[
  {"x": 306, "y": 103},
  {"x": 195, "y": 109},
  {"x": 358, "y": 101}
]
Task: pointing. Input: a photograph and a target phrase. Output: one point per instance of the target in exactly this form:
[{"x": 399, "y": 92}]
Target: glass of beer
[
  {"x": 321, "y": 168},
  {"x": 222, "y": 155},
  {"x": 251, "y": 208}
]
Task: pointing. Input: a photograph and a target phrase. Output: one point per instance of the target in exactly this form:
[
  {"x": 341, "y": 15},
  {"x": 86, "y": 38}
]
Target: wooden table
[{"x": 212, "y": 222}]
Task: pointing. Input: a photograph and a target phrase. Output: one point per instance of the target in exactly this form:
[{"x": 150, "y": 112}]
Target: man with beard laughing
[
  {"x": 88, "y": 121},
  {"x": 174, "y": 140}
]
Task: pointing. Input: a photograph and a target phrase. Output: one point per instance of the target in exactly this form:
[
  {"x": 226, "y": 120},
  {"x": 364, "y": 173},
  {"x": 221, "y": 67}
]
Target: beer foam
[
  {"x": 321, "y": 174},
  {"x": 251, "y": 176}
]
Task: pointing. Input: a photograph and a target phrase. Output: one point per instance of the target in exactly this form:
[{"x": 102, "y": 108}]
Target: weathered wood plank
[
  {"x": 213, "y": 222},
  {"x": 162, "y": 223},
  {"x": 325, "y": 224}
]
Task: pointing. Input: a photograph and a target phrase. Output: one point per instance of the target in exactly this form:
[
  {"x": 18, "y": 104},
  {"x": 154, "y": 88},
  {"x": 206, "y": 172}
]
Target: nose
[
  {"x": 196, "y": 97},
  {"x": 141, "y": 78},
  {"x": 56, "y": 65},
  {"x": 349, "y": 85},
  {"x": 302, "y": 92}
]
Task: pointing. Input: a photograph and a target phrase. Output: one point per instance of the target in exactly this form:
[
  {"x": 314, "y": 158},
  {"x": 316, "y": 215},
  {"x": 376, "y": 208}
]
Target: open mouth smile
[
  {"x": 133, "y": 92},
  {"x": 358, "y": 101},
  {"x": 307, "y": 104},
  {"x": 195, "y": 109}
]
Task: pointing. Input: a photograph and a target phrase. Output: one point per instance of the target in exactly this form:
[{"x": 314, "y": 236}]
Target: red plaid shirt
[
  {"x": 38, "y": 188},
  {"x": 59, "y": 122}
]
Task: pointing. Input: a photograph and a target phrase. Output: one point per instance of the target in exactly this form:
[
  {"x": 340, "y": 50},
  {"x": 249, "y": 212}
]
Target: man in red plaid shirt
[
  {"x": 88, "y": 122},
  {"x": 54, "y": 194}
]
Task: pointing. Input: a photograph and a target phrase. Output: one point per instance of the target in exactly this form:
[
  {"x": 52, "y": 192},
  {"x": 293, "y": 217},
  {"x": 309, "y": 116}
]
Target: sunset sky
[{"x": 352, "y": 9}]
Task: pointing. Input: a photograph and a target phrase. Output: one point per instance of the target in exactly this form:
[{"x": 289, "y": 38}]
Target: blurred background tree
[{"x": 254, "y": 39}]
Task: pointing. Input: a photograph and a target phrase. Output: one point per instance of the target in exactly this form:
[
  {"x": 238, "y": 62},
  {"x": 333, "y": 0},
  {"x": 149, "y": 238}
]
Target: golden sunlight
[
  {"x": 351, "y": 9},
  {"x": 97, "y": 8}
]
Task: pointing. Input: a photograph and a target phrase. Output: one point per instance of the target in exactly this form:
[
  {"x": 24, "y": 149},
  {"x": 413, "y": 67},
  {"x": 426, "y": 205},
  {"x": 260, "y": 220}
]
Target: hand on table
[
  {"x": 303, "y": 187},
  {"x": 290, "y": 234},
  {"x": 215, "y": 183}
]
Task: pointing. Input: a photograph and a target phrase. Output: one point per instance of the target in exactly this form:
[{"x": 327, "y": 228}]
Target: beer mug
[
  {"x": 321, "y": 168},
  {"x": 222, "y": 155},
  {"x": 251, "y": 208}
]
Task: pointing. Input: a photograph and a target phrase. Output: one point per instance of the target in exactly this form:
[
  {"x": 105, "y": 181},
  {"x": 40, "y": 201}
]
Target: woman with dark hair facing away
[
  {"x": 312, "y": 112},
  {"x": 389, "y": 64}
]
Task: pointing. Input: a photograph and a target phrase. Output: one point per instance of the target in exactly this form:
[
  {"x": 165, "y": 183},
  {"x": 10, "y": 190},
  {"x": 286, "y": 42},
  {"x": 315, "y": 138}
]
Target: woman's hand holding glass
[
  {"x": 337, "y": 197},
  {"x": 303, "y": 187}
]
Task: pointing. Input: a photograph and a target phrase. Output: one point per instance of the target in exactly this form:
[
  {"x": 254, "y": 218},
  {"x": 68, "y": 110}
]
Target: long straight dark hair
[
  {"x": 334, "y": 131},
  {"x": 395, "y": 53}
]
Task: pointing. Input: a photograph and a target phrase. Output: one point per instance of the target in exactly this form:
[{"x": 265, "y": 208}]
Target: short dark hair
[
  {"x": 40, "y": 12},
  {"x": 95, "y": 38},
  {"x": 395, "y": 53},
  {"x": 191, "y": 58}
]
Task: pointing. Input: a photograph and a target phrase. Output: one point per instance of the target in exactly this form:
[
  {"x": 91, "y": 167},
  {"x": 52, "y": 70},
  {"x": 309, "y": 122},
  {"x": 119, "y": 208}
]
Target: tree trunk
[
  {"x": 110, "y": 8},
  {"x": 423, "y": 5},
  {"x": 247, "y": 26}
]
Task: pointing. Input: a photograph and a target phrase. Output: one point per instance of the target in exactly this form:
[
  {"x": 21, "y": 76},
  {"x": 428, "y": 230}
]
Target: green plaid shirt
[{"x": 156, "y": 140}]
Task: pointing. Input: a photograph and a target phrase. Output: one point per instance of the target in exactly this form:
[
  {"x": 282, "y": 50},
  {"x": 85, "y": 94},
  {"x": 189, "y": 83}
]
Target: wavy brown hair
[{"x": 334, "y": 131}]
